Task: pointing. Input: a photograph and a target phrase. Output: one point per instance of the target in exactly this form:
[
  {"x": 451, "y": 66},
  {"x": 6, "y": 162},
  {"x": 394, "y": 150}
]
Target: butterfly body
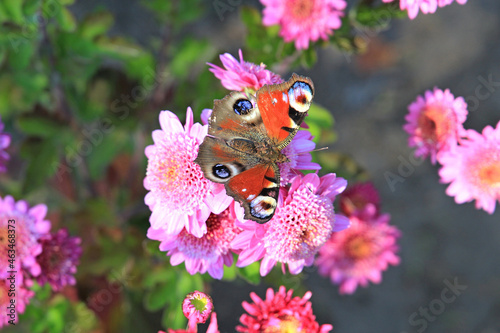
[{"x": 245, "y": 140}]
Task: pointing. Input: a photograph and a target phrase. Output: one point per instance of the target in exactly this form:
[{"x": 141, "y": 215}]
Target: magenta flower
[
  {"x": 280, "y": 312},
  {"x": 239, "y": 75},
  {"x": 303, "y": 222},
  {"x": 299, "y": 154},
  {"x": 22, "y": 298},
  {"x": 4, "y": 143},
  {"x": 360, "y": 253},
  {"x": 357, "y": 197},
  {"x": 30, "y": 225},
  {"x": 435, "y": 122},
  {"x": 212, "y": 328},
  {"x": 180, "y": 196},
  {"x": 473, "y": 169},
  {"x": 197, "y": 307},
  {"x": 58, "y": 260},
  {"x": 303, "y": 21},
  {"x": 208, "y": 253}
]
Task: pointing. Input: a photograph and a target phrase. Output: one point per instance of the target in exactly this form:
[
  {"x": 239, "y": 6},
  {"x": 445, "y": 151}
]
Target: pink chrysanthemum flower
[
  {"x": 58, "y": 260},
  {"x": 442, "y": 3},
  {"x": 180, "y": 196},
  {"x": 208, "y": 253},
  {"x": 473, "y": 169},
  {"x": 280, "y": 312},
  {"x": 303, "y": 222},
  {"x": 197, "y": 307},
  {"x": 435, "y": 122},
  {"x": 357, "y": 197},
  {"x": 30, "y": 225},
  {"x": 359, "y": 254},
  {"x": 239, "y": 75},
  {"x": 303, "y": 21},
  {"x": 22, "y": 299},
  {"x": 299, "y": 154},
  {"x": 212, "y": 328},
  {"x": 4, "y": 143}
]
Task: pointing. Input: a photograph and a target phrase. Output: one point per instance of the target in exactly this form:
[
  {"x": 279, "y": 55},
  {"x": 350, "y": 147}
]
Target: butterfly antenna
[{"x": 319, "y": 149}]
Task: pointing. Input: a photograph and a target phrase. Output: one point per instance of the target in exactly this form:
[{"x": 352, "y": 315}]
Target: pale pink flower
[
  {"x": 197, "y": 307},
  {"x": 303, "y": 222},
  {"x": 280, "y": 312},
  {"x": 434, "y": 122},
  {"x": 58, "y": 260},
  {"x": 425, "y": 6},
  {"x": 30, "y": 225},
  {"x": 414, "y": 6},
  {"x": 22, "y": 298},
  {"x": 357, "y": 197},
  {"x": 180, "y": 196},
  {"x": 473, "y": 169},
  {"x": 304, "y": 21},
  {"x": 4, "y": 143},
  {"x": 299, "y": 155},
  {"x": 241, "y": 75},
  {"x": 208, "y": 253},
  {"x": 360, "y": 253}
]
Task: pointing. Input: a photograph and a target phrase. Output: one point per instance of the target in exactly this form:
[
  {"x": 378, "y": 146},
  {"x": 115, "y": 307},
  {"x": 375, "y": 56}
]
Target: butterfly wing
[{"x": 283, "y": 107}]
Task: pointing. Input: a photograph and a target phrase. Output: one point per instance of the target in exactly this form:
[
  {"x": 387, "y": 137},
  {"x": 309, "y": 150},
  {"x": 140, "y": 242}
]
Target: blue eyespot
[
  {"x": 242, "y": 107},
  {"x": 300, "y": 95},
  {"x": 221, "y": 171}
]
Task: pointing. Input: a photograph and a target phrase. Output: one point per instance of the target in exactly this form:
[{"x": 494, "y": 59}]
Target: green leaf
[
  {"x": 251, "y": 273},
  {"x": 309, "y": 57},
  {"x": 14, "y": 10},
  {"x": 158, "y": 297},
  {"x": 42, "y": 156},
  {"x": 96, "y": 24},
  {"x": 106, "y": 145},
  {"x": 174, "y": 317},
  {"x": 191, "y": 53},
  {"x": 21, "y": 57},
  {"x": 66, "y": 20},
  {"x": 39, "y": 126}
]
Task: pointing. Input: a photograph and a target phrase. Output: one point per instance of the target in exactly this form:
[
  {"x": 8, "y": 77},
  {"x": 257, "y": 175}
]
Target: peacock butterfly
[{"x": 245, "y": 137}]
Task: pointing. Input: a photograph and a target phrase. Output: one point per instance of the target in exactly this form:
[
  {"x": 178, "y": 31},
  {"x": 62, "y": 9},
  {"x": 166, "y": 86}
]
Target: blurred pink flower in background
[
  {"x": 180, "y": 196},
  {"x": 434, "y": 122},
  {"x": 280, "y": 312},
  {"x": 360, "y": 253},
  {"x": 238, "y": 75},
  {"x": 357, "y": 197},
  {"x": 304, "y": 21},
  {"x": 425, "y": 6},
  {"x": 58, "y": 260},
  {"x": 473, "y": 169}
]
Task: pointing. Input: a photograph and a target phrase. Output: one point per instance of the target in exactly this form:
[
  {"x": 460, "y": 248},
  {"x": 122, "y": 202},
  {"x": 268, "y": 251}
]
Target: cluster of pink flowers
[
  {"x": 425, "y": 6},
  {"x": 31, "y": 253},
  {"x": 470, "y": 160},
  {"x": 304, "y": 21},
  {"x": 198, "y": 224},
  {"x": 279, "y": 312},
  {"x": 359, "y": 254}
]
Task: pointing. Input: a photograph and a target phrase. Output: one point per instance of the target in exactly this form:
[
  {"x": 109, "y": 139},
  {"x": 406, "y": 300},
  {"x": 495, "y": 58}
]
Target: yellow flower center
[
  {"x": 358, "y": 248},
  {"x": 434, "y": 123},
  {"x": 301, "y": 9},
  {"x": 490, "y": 175},
  {"x": 288, "y": 324}
]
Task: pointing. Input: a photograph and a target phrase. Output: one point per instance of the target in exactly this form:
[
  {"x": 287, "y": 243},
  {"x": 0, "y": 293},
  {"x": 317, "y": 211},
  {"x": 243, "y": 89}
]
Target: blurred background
[{"x": 73, "y": 74}]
